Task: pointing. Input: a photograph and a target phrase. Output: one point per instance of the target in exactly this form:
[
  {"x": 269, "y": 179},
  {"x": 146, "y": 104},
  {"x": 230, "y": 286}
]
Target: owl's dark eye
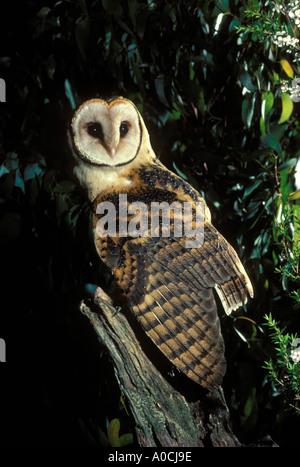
[
  {"x": 124, "y": 128},
  {"x": 95, "y": 130}
]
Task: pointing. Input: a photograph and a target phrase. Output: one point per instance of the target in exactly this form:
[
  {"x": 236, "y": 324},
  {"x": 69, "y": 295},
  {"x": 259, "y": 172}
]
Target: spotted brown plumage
[{"x": 169, "y": 286}]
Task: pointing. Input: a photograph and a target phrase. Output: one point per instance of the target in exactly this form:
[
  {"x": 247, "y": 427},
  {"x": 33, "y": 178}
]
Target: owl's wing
[{"x": 170, "y": 290}]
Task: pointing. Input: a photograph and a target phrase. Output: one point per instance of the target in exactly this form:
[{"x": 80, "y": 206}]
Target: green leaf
[
  {"x": 31, "y": 171},
  {"x": 262, "y": 127},
  {"x": 287, "y": 68},
  {"x": 249, "y": 403},
  {"x": 12, "y": 161},
  {"x": 125, "y": 439},
  {"x": 159, "y": 86},
  {"x": 267, "y": 104},
  {"x": 248, "y": 109},
  {"x": 19, "y": 182},
  {"x": 245, "y": 80},
  {"x": 113, "y": 433},
  {"x": 201, "y": 102},
  {"x": 288, "y": 164},
  {"x": 3, "y": 170},
  {"x": 273, "y": 138},
  {"x": 252, "y": 187},
  {"x": 181, "y": 174},
  {"x": 69, "y": 93},
  {"x": 287, "y": 107},
  {"x": 240, "y": 334}
]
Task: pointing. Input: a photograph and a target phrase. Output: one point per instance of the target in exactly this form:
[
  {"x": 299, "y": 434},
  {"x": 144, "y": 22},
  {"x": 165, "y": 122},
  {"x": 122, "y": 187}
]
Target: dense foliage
[{"x": 206, "y": 76}]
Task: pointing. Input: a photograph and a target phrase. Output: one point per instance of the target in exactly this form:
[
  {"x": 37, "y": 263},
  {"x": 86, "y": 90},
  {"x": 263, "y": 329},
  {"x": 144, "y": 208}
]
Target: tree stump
[{"x": 163, "y": 416}]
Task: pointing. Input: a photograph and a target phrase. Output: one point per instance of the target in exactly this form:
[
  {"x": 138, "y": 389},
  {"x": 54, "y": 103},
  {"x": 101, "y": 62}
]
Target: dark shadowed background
[{"x": 199, "y": 86}]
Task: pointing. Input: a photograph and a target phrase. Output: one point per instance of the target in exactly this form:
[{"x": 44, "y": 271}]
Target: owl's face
[
  {"x": 107, "y": 133},
  {"x": 108, "y": 138}
]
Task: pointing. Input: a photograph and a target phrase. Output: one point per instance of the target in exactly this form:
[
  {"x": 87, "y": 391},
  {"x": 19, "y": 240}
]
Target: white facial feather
[
  {"x": 112, "y": 148},
  {"x": 103, "y": 162}
]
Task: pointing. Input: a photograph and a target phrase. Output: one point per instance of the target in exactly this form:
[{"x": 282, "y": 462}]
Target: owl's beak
[
  {"x": 111, "y": 151},
  {"x": 111, "y": 145}
]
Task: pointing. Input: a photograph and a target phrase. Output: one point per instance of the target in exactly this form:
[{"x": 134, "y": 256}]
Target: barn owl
[{"x": 170, "y": 288}]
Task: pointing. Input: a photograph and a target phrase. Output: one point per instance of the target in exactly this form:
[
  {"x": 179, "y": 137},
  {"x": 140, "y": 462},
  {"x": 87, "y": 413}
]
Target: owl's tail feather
[
  {"x": 233, "y": 294},
  {"x": 203, "y": 365},
  {"x": 184, "y": 325}
]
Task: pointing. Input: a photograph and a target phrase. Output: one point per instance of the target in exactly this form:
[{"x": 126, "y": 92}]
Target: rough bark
[{"x": 163, "y": 416}]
